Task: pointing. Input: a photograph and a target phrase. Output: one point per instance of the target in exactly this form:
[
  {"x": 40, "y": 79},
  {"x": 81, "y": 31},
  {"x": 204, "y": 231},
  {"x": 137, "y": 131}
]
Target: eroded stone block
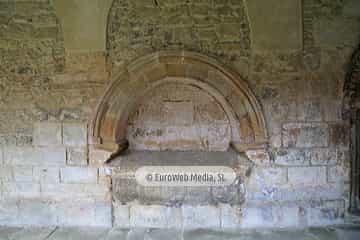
[
  {"x": 155, "y": 216},
  {"x": 339, "y": 135},
  {"x": 77, "y": 156},
  {"x": 231, "y": 216},
  {"x": 305, "y": 135},
  {"x": 201, "y": 217},
  {"x": 97, "y": 157},
  {"x": 48, "y": 156},
  {"x": 47, "y": 174},
  {"x": 290, "y": 157},
  {"x": 307, "y": 175},
  {"x": 121, "y": 215},
  {"x": 268, "y": 177},
  {"x": 21, "y": 190},
  {"x": 259, "y": 157},
  {"x": 75, "y": 134},
  {"x": 37, "y": 213},
  {"x": 47, "y": 133},
  {"x": 78, "y": 175},
  {"x": 339, "y": 174},
  {"x": 322, "y": 156}
]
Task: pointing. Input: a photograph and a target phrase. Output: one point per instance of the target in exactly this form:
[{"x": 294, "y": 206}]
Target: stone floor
[{"x": 330, "y": 233}]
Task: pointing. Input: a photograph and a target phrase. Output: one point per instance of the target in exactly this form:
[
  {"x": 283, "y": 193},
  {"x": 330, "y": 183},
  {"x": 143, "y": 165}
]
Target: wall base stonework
[{"x": 297, "y": 214}]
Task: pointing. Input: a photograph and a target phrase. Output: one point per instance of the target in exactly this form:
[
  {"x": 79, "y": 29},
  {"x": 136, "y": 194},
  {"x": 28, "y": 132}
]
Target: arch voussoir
[{"x": 232, "y": 93}]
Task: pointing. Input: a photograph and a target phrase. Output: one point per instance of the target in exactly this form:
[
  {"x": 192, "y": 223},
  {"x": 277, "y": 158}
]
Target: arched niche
[{"x": 110, "y": 123}]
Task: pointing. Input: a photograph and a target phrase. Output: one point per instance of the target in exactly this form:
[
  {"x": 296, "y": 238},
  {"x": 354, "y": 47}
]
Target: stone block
[
  {"x": 305, "y": 135},
  {"x": 46, "y": 174},
  {"x": 121, "y": 214},
  {"x": 307, "y": 175},
  {"x": 97, "y": 157},
  {"x": 268, "y": 177},
  {"x": 103, "y": 214},
  {"x": 339, "y": 135},
  {"x": 6, "y": 173},
  {"x": 322, "y": 156},
  {"x": 325, "y": 213},
  {"x": 154, "y": 216},
  {"x": 44, "y": 156},
  {"x": 256, "y": 217},
  {"x": 77, "y": 156},
  {"x": 178, "y": 113},
  {"x": 231, "y": 216},
  {"x": 76, "y": 213},
  {"x": 104, "y": 177},
  {"x": 201, "y": 217},
  {"x": 75, "y": 134},
  {"x": 37, "y": 213},
  {"x": 22, "y": 173},
  {"x": 271, "y": 34},
  {"x": 69, "y": 192},
  {"x": 78, "y": 175},
  {"x": 270, "y": 215},
  {"x": 21, "y": 190},
  {"x": 259, "y": 157},
  {"x": 47, "y": 133},
  {"x": 332, "y": 110},
  {"x": 290, "y": 192},
  {"x": 339, "y": 174},
  {"x": 309, "y": 110},
  {"x": 290, "y": 157},
  {"x": 81, "y": 232},
  {"x": 9, "y": 213}
]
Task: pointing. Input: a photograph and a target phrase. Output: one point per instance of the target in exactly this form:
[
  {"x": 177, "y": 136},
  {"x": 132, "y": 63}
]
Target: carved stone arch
[{"x": 230, "y": 91}]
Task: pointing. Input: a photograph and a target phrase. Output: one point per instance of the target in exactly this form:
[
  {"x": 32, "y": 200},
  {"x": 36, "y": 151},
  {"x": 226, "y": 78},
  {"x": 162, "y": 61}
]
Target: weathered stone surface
[
  {"x": 268, "y": 177},
  {"x": 85, "y": 232},
  {"x": 37, "y": 213},
  {"x": 307, "y": 175},
  {"x": 310, "y": 110},
  {"x": 339, "y": 174},
  {"x": 69, "y": 192},
  {"x": 231, "y": 216},
  {"x": 46, "y": 174},
  {"x": 21, "y": 190},
  {"x": 176, "y": 116},
  {"x": 322, "y": 156},
  {"x": 305, "y": 135},
  {"x": 202, "y": 25},
  {"x": 324, "y": 213},
  {"x": 339, "y": 135},
  {"x": 300, "y": 88},
  {"x": 78, "y": 175},
  {"x": 77, "y": 156},
  {"x": 269, "y": 215},
  {"x": 48, "y": 156},
  {"x": 75, "y": 134},
  {"x": 259, "y": 157},
  {"x": 121, "y": 215},
  {"x": 9, "y": 213},
  {"x": 155, "y": 216},
  {"x": 291, "y": 157},
  {"x": 201, "y": 217},
  {"x": 47, "y": 134},
  {"x": 273, "y": 33},
  {"x": 97, "y": 157}
]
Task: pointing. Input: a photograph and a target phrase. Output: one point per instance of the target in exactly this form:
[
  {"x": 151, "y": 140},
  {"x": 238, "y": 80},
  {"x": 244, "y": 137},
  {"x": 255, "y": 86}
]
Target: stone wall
[{"x": 50, "y": 172}]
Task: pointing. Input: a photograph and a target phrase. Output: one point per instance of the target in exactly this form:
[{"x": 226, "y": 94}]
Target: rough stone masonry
[{"x": 55, "y": 70}]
